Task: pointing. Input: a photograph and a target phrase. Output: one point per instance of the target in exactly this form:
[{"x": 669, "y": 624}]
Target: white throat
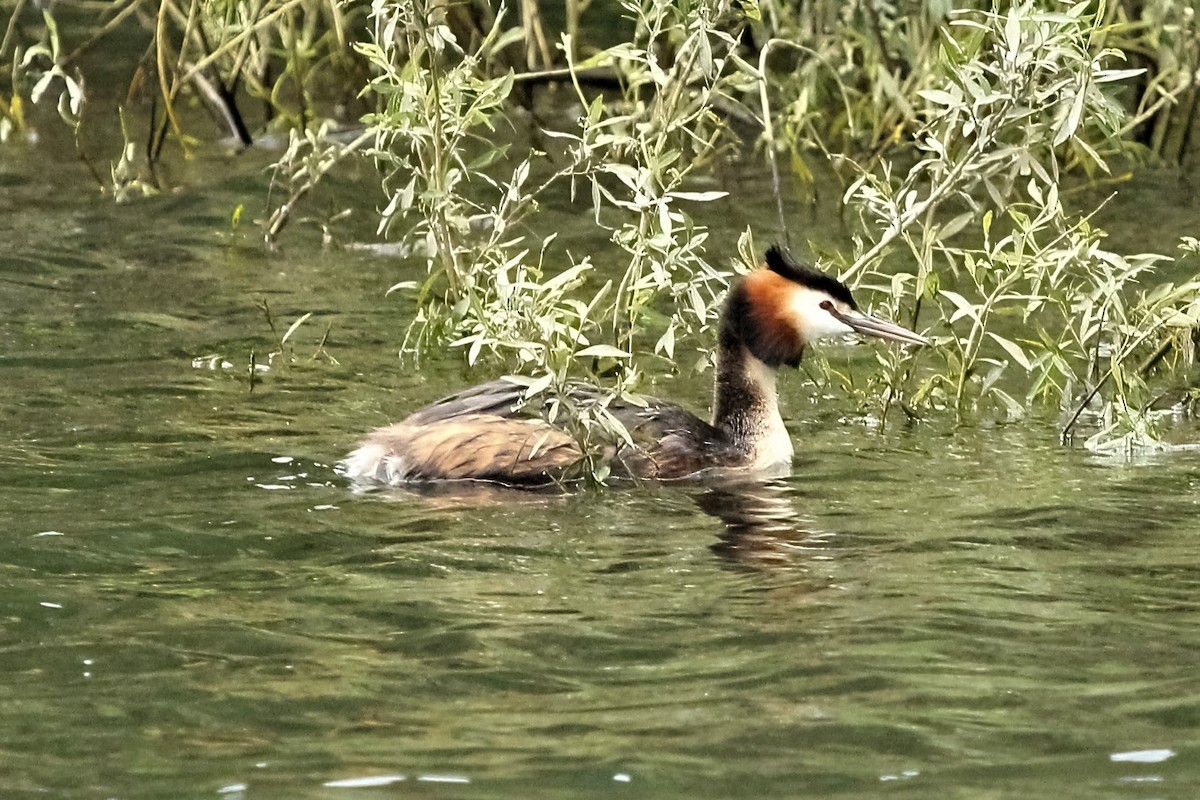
[
  {"x": 772, "y": 444},
  {"x": 746, "y": 406}
]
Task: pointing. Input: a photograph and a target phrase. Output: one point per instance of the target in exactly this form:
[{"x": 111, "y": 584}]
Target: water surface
[{"x": 195, "y": 605}]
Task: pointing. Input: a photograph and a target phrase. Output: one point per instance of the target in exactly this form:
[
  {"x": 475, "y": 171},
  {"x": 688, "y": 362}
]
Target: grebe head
[{"x": 775, "y": 312}]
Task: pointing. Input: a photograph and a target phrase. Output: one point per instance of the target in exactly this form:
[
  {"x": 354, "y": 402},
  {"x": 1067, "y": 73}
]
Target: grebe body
[{"x": 770, "y": 316}]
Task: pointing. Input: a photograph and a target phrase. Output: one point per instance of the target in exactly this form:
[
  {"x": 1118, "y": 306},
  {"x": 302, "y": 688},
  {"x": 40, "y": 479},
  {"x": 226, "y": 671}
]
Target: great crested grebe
[{"x": 770, "y": 316}]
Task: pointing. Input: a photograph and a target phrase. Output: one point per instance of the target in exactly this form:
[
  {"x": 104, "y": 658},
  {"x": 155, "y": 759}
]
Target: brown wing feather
[
  {"x": 498, "y": 398},
  {"x": 472, "y": 446}
]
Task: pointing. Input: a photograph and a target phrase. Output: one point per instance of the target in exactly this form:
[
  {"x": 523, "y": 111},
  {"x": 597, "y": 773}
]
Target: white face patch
[{"x": 813, "y": 321}]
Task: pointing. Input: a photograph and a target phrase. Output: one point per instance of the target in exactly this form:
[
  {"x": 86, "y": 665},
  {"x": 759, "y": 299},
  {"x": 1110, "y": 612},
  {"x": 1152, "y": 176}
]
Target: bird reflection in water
[{"x": 761, "y": 526}]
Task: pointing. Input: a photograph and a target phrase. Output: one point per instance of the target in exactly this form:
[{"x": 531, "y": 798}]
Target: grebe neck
[{"x": 746, "y": 406}]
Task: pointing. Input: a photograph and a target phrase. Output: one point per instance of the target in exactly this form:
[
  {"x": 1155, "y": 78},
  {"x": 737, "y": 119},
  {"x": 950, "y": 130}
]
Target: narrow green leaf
[
  {"x": 964, "y": 306},
  {"x": 292, "y": 328},
  {"x": 1013, "y": 349},
  {"x": 940, "y": 97},
  {"x": 701, "y": 197},
  {"x": 538, "y": 385},
  {"x": 666, "y": 343},
  {"x": 602, "y": 351},
  {"x": 1110, "y": 75}
]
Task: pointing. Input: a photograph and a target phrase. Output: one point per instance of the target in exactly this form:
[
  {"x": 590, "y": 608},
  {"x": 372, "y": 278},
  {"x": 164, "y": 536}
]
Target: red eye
[{"x": 827, "y": 306}]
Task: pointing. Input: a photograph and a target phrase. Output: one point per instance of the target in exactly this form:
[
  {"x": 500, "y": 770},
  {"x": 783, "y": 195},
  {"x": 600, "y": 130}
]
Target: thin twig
[
  {"x": 87, "y": 162},
  {"x": 211, "y": 58},
  {"x": 12, "y": 26},
  {"x": 95, "y": 38},
  {"x": 168, "y": 92},
  {"x": 281, "y": 215},
  {"x": 1164, "y": 347},
  {"x": 1066, "y": 431},
  {"x": 1167, "y": 98},
  {"x": 321, "y": 345},
  {"x": 244, "y": 52},
  {"x": 768, "y": 125},
  {"x": 595, "y": 76}
]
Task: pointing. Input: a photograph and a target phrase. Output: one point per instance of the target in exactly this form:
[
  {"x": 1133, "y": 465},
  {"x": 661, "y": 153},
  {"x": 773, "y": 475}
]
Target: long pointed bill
[{"x": 881, "y": 328}]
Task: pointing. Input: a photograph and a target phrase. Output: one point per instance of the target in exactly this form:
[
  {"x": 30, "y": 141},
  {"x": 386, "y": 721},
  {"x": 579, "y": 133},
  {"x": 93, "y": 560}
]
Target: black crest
[{"x": 780, "y": 261}]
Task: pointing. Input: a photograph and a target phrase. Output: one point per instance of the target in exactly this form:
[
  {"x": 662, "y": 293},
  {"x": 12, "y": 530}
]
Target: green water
[{"x": 193, "y": 604}]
